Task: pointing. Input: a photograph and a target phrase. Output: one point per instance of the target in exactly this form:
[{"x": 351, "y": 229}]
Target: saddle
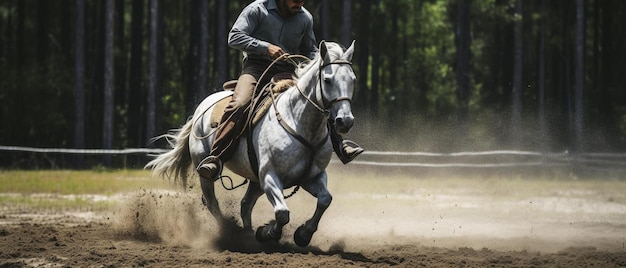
[{"x": 261, "y": 103}]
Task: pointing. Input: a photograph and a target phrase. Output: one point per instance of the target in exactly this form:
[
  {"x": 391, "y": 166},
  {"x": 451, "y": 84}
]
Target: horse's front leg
[
  {"x": 247, "y": 204},
  {"x": 273, "y": 189},
  {"x": 318, "y": 188}
]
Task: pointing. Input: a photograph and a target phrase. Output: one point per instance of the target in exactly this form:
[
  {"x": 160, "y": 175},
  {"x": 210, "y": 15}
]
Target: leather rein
[{"x": 323, "y": 108}]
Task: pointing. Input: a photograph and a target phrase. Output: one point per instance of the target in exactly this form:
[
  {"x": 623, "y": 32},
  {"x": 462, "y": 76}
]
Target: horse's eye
[{"x": 327, "y": 80}]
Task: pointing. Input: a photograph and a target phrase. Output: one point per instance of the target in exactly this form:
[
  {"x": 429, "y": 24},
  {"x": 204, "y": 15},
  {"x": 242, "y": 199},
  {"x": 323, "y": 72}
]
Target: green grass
[
  {"x": 77, "y": 182},
  {"x": 611, "y": 189},
  {"x": 71, "y": 190},
  {"x": 68, "y": 189},
  {"x": 53, "y": 203}
]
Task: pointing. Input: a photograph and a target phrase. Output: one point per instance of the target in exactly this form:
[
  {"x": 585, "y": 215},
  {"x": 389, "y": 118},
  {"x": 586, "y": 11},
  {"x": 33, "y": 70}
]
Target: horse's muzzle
[{"x": 343, "y": 124}]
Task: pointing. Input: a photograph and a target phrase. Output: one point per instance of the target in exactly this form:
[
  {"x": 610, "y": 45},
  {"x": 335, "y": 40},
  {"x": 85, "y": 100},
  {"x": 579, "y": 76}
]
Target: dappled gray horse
[{"x": 291, "y": 143}]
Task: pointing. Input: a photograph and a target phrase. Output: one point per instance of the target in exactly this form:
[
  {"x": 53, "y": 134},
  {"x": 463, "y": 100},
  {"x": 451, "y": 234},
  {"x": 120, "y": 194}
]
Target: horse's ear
[
  {"x": 324, "y": 52},
  {"x": 348, "y": 54}
]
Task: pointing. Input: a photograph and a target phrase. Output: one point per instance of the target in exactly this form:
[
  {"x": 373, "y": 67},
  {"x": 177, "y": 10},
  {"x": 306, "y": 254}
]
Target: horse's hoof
[
  {"x": 264, "y": 233},
  {"x": 247, "y": 230},
  {"x": 259, "y": 235},
  {"x": 301, "y": 237}
]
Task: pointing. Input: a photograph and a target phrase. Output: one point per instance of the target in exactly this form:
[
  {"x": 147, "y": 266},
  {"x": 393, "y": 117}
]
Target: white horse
[{"x": 291, "y": 143}]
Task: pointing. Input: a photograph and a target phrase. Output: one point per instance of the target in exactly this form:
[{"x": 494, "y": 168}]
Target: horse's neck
[{"x": 304, "y": 117}]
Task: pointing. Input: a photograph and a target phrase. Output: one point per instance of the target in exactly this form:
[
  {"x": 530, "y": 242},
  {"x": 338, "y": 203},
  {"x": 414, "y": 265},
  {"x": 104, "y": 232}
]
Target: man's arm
[{"x": 240, "y": 37}]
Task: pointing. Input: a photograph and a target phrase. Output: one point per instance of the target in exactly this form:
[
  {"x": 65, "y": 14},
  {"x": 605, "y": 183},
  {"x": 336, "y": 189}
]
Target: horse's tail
[{"x": 177, "y": 161}]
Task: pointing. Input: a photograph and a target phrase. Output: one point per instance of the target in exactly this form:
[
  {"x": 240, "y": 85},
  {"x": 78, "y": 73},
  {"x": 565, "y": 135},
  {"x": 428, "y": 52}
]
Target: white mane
[{"x": 335, "y": 52}]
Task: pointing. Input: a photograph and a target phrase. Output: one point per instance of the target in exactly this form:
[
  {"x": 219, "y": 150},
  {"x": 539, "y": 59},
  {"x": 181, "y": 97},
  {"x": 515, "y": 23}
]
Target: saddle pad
[
  {"x": 218, "y": 111},
  {"x": 264, "y": 104},
  {"x": 283, "y": 85}
]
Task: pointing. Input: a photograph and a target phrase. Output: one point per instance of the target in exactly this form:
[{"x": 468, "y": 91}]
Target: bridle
[
  {"x": 323, "y": 108},
  {"x": 319, "y": 90},
  {"x": 322, "y": 105}
]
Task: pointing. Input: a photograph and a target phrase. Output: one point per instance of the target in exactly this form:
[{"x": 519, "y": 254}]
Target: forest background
[{"x": 432, "y": 75}]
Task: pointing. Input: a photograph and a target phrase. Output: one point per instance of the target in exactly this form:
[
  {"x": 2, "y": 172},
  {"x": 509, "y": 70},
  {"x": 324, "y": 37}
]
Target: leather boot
[
  {"x": 349, "y": 151},
  {"x": 232, "y": 125},
  {"x": 346, "y": 150},
  {"x": 210, "y": 168}
]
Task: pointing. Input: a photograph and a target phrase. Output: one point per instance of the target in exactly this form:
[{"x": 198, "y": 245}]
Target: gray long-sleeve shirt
[{"x": 260, "y": 25}]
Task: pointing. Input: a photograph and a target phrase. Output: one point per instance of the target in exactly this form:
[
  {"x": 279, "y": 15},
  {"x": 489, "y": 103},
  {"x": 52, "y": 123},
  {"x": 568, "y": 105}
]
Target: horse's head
[{"x": 336, "y": 84}]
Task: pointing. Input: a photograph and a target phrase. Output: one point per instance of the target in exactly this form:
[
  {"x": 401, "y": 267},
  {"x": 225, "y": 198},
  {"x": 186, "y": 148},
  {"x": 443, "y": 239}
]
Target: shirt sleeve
[
  {"x": 240, "y": 35},
  {"x": 308, "y": 46}
]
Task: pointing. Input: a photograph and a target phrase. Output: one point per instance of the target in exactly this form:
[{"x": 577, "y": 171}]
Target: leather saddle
[
  {"x": 257, "y": 108},
  {"x": 263, "y": 101}
]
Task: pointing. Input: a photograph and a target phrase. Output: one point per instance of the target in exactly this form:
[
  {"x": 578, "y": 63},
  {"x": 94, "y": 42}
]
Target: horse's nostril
[
  {"x": 339, "y": 121},
  {"x": 343, "y": 124}
]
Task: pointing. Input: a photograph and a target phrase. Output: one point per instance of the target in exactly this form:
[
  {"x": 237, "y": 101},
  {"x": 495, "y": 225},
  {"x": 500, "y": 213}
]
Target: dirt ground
[{"x": 401, "y": 223}]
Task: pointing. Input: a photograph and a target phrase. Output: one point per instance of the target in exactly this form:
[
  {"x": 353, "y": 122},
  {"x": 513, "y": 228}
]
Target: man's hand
[{"x": 275, "y": 51}]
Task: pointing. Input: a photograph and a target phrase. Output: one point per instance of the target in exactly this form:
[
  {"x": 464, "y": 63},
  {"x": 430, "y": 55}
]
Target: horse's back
[
  {"x": 209, "y": 102},
  {"x": 201, "y": 138}
]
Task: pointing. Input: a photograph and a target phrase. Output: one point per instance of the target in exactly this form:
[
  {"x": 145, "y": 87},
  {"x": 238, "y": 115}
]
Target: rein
[
  {"x": 319, "y": 96},
  {"x": 312, "y": 148},
  {"x": 323, "y": 108},
  {"x": 319, "y": 90}
]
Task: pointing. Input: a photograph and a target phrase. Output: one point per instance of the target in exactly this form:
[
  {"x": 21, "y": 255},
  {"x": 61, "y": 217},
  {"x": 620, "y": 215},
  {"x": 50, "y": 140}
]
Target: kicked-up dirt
[{"x": 408, "y": 223}]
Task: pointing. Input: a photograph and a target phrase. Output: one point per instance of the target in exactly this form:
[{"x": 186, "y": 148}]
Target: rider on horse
[{"x": 265, "y": 30}]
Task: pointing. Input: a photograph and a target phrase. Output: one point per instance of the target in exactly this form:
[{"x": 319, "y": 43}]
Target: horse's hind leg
[
  {"x": 247, "y": 204},
  {"x": 318, "y": 188},
  {"x": 209, "y": 199}
]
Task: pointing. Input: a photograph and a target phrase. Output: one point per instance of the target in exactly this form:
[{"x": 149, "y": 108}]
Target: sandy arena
[{"x": 373, "y": 222}]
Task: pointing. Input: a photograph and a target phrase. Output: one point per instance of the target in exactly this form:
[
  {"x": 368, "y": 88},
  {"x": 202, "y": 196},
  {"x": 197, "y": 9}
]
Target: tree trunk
[
  {"x": 43, "y": 31},
  {"x": 579, "y": 76},
  {"x": 121, "y": 64},
  {"x": 222, "y": 44},
  {"x": 541, "y": 77},
  {"x": 66, "y": 32},
  {"x": 346, "y": 23},
  {"x": 21, "y": 41},
  {"x": 136, "y": 93},
  {"x": 203, "y": 48},
  {"x": 194, "y": 37},
  {"x": 374, "y": 96},
  {"x": 516, "y": 117},
  {"x": 324, "y": 20},
  {"x": 79, "y": 83},
  {"x": 198, "y": 52},
  {"x": 363, "y": 59},
  {"x": 463, "y": 43},
  {"x": 393, "y": 55},
  {"x": 153, "y": 71},
  {"x": 109, "y": 86}
]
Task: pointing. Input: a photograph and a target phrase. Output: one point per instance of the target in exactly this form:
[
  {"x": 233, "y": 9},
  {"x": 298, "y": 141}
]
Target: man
[{"x": 265, "y": 30}]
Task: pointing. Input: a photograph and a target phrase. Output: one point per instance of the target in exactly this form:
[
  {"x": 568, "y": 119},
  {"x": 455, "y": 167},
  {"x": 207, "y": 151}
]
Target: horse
[{"x": 291, "y": 143}]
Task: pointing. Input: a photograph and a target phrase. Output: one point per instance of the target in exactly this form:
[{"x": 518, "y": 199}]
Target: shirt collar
[{"x": 271, "y": 4}]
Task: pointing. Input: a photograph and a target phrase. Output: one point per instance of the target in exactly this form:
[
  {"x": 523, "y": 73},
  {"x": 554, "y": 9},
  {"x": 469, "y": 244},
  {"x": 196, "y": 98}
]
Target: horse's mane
[{"x": 335, "y": 51}]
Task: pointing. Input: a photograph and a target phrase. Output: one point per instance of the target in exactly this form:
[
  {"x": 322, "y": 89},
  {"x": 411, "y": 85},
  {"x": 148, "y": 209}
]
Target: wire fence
[
  {"x": 496, "y": 159},
  {"x": 126, "y": 151},
  {"x": 487, "y": 159}
]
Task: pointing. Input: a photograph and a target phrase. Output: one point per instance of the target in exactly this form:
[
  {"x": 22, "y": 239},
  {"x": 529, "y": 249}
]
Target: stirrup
[
  {"x": 211, "y": 159},
  {"x": 346, "y": 158}
]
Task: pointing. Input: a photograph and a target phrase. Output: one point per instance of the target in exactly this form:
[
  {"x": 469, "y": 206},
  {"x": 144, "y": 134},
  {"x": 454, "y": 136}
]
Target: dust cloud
[
  {"x": 180, "y": 219},
  {"x": 372, "y": 209},
  {"x": 176, "y": 218}
]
